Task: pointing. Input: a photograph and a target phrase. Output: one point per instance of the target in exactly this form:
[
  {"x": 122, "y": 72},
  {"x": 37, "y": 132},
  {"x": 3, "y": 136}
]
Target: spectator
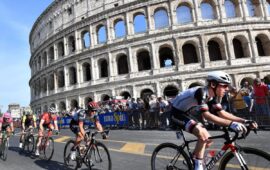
[
  {"x": 260, "y": 94},
  {"x": 163, "y": 110},
  {"x": 142, "y": 114},
  {"x": 153, "y": 111},
  {"x": 239, "y": 104},
  {"x": 247, "y": 88}
]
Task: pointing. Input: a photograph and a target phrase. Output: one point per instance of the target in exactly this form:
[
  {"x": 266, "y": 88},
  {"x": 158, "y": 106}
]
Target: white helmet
[
  {"x": 219, "y": 76},
  {"x": 52, "y": 110}
]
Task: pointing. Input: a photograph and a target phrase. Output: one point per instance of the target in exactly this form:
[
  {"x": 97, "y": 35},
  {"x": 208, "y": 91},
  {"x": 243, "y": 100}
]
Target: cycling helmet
[
  {"x": 7, "y": 115},
  {"x": 52, "y": 110},
  {"x": 92, "y": 106},
  {"x": 219, "y": 76}
]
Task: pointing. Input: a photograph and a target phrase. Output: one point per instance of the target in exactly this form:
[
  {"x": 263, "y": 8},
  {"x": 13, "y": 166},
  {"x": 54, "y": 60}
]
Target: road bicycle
[
  {"x": 232, "y": 156},
  {"x": 94, "y": 154},
  {"x": 4, "y": 146},
  {"x": 28, "y": 141},
  {"x": 46, "y": 146}
]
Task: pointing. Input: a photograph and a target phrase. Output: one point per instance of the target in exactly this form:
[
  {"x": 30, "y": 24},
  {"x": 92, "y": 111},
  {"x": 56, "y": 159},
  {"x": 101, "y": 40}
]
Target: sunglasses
[{"x": 224, "y": 85}]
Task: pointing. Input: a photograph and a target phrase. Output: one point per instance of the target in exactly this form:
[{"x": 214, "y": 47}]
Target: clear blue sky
[{"x": 16, "y": 20}]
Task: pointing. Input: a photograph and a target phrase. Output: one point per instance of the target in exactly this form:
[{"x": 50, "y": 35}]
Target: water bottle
[{"x": 210, "y": 154}]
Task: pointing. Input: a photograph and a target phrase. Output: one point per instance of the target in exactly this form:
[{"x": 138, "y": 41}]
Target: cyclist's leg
[
  {"x": 79, "y": 138},
  {"x": 99, "y": 126},
  {"x": 40, "y": 135}
]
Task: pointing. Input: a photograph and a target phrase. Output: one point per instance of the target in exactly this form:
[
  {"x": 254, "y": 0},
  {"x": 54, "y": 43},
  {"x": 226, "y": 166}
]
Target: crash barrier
[{"x": 119, "y": 119}]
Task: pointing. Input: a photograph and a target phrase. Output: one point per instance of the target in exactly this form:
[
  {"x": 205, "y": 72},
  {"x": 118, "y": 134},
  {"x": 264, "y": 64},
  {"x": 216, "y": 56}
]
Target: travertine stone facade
[{"x": 67, "y": 72}]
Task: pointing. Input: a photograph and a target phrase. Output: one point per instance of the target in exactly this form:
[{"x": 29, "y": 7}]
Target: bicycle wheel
[
  {"x": 30, "y": 143},
  {"x": 4, "y": 148},
  {"x": 170, "y": 156},
  {"x": 48, "y": 149},
  {"x": 99, "y": 157},
  {"x": 67, "y": 160},
  {"x": 254, "y": 158}
]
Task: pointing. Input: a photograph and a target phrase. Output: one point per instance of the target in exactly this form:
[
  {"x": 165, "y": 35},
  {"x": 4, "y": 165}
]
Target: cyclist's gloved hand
[
  {"x": 238, "y": 127},
  {"x": 252, "y": 124}
]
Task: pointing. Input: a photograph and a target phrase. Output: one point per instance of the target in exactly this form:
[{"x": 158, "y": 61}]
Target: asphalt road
[{"x": 129, "y": 149}]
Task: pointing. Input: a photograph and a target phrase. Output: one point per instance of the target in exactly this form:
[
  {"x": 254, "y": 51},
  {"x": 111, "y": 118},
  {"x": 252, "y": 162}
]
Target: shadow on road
[{"x": 51, "y": 165}]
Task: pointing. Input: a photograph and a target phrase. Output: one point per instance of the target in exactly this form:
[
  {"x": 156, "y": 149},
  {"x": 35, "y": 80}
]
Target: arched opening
[
  {"x": 189, "y": 54},
  {"x": 214, "y": 51},
  {"x": 139, "y": 23},
  {"x": 60, "y": 48},
  {"x": 74, "y": 104},
  {"x": 253, "y": 7},
  {"x": 105, "y": 97},
  {"x": 101, "y": 34},
  {"x": 238, "y": 48},
  {"x": 71, "y": 44},
  {"x": 143, "y": 60},
  {"x": 51, "y": 54},
  {"x": 207, "y": 10},
  {"x": 86, "y": 41},
  {"x": 119, "y": 29},
  {"x": 103, "y": 68},
  {"x": 267, "y": 80},
  {"x": 87, "y": 100},
  {"x": 61, "y": 79},
  {"x": 230, "y": 9},
  {"x": 44, "y": 85},
  {"x": 52, "y": 105},
  {"x": 44, "y": 59},
  {"x": 166, "y": 57},
  {"x": 146, "y": 93},
  {"x": 125, "y": 95},
  {"x": 51, "y": 82},
  {"x": 184, "y": 14},
  {"x": 195, "y": 85},
  {"x": 161, "y": 19},
  {"x": 262, "y": 42},
  {"x": 86, "y": 72},
  {"x": 62, "y": 106},
  {"x": 170, "y": 91},
  {"x": 72, "y": 76},
  {"x": 122, "y": 64}
]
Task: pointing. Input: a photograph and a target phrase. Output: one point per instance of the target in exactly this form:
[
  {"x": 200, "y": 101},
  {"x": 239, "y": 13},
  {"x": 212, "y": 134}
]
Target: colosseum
[{"x": 83, "y": 50}]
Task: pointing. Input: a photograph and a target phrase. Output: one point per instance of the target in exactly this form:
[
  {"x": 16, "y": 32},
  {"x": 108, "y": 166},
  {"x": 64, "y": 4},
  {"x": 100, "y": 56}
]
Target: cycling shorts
[
  {"x": 4, "y": 127},
  {"x": 74, "y": 126},
  {"x": 184, "y": 120}
]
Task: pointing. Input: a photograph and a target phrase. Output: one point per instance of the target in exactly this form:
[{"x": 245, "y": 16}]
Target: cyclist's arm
[
  {"x": 23, "y": 122},
  {"x": 229, "y": 116},
  {"x": 11, "y": 126},
  {"x": 35, "y": 121},
  {"x": 81, "y": 128},
  {"x": 55, "y": 125},
  {"x": 215, "y": 119}
]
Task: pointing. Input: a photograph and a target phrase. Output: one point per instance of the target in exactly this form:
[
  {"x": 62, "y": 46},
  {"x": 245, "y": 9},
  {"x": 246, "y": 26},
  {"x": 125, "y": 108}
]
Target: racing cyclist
[
  {"x": 48, "y": 120},
  {"x": 28, "y": 121},
  {"x": 6, "y": 124},
  {"x": 192, "y": 106},
  {"x": 77, "y": 124}
]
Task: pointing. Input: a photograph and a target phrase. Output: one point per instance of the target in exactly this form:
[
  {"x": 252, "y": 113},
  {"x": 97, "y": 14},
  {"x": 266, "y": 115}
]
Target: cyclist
[
  {"x": 77, "y": 124},
  {"x": 6, "y": 124},
  {"x": 28, "y": 121},
  {"x": 193, "y": 105},
  {"x": 48, "y": 120}
]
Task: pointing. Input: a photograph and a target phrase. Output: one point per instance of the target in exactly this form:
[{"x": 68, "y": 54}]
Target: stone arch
[
  {"x": 44, "y": 59},
  {"x": 267, "y": 79},
  {"x": 122, "y": 64},
  {"x": 145, "y": 93},
  {"x": 215, "y": 49},
  {"x": 87, "y": 100},
  {"x": 139, "y": 23},
  {"x": 74, "y": 104},
  {"x": 51, "y": 82},
  {"x": 208, "y": 10},
  {"x": 189, "y": 53},
  {"x": 62, "y": 106},
  {"x": 119, "y": 28},
  {"x": 61, "y": 78},
  {"x": 85, "y": 37},
  {"x": 101, "y": 34},
  {"x": 253, "y": 7},
  {"x": 125, "y": 94},
  {"x": 72, "y": 75},
  {"x": 105, "y": 97},
  {"x": 262, "y": 43},
  {"x": 166, "y": 57},
  {"x": 184, "y": 13},
  {"x": 71, "y": 44},
  {"x": 45, "y": 108},
  {"x": 243, "y": 80},
  {"x": 103, "y": 68},
  {"x": 44, "y": 84},
  {"x": 195, "y": 84},
  {"x": 241, "y": 47},
  {"x": 86, "y": 71},
  {"x": 161, "y": 18},
  {"x": 52, "y": 105},
  {"x": 60, "y": 49},
  {"x": 143, "y": 60},
  {"x": 170, "y": 91}
]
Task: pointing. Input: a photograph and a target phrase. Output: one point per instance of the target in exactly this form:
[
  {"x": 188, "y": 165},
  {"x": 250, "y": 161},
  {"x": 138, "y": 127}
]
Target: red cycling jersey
[{"x": 48, "y": 118}]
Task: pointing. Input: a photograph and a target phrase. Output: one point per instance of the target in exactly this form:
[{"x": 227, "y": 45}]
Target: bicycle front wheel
[
  {"x": 30, "y": 142},
  {"x": 170, "y": 156},
  {"x": 99, "y": 157},
  {"x": 4, "y": 148},
  {"x": 254, "y": 159},
  {"x": 67, "y": 151},
  {"x": 48, "y": 149}
]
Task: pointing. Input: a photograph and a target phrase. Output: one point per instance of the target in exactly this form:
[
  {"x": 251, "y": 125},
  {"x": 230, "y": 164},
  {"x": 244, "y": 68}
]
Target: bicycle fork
[{"x": 240, "y": 159}]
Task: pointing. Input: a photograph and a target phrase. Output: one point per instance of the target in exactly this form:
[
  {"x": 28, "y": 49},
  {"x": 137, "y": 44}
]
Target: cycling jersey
[
  {"x": 27, "y": 121},
  {"x": 5, "y": 124},
  {"x": 188, "y": 106},
  {"x": 48, "y": 118}
]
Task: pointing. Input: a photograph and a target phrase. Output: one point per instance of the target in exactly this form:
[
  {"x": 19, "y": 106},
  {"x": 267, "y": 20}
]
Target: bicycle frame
[
  {"x": 229, "y": 144},
  {"x": 42, "y": 145}
]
